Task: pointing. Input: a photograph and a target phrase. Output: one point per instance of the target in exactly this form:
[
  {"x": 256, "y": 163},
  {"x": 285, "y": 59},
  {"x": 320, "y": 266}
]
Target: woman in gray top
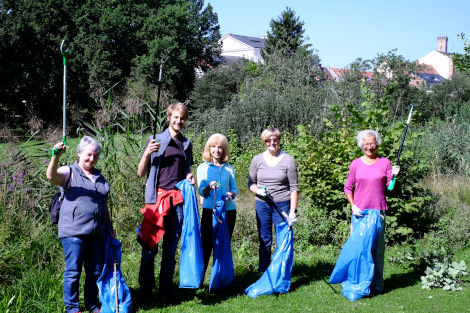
[
  {"x": 84, "y": 221},
  {"x": 276, "y": 171}
]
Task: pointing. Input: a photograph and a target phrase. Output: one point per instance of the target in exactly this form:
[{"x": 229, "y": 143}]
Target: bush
[{"x": 324, "y": 160}]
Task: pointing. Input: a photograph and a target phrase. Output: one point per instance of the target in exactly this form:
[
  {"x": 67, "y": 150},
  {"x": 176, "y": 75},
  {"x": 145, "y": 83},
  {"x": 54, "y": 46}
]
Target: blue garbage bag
[
  {"x": 192, "y": 260},
  {"x": 222, "y": 274},
  {"x": 355, "y": 266},
  {"x": 276, "y": 279},
  {"x": 111, "y": 279}
]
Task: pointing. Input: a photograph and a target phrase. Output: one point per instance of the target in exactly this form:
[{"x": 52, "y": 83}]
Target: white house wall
[
  {"x": 442, "y": 63},
  {"x": 234, "y": 48}
]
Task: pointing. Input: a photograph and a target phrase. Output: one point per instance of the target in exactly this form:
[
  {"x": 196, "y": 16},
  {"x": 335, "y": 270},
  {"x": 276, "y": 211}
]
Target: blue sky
[{"x": 343, "y": 30}]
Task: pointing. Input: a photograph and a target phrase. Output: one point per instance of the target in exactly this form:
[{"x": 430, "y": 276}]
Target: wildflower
[
  {"x": 19, "y": 175},
  {"x": 27, "y": 189},
  {"x": 46, "y": 161},
  {"x": 19, "y": 182}
]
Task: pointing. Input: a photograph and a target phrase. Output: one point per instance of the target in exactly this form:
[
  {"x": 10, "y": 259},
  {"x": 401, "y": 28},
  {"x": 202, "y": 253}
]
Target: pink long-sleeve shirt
[{"x": 368, "y": 183}]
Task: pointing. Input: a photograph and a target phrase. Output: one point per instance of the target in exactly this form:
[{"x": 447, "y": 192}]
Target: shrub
[{"x": 324, "y": 160}]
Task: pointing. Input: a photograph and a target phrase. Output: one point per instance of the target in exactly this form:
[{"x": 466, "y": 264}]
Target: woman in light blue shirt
[{"x": 216, "y": 169}]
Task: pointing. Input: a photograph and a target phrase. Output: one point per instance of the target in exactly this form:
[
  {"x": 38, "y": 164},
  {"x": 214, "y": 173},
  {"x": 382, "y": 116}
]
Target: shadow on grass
[
  {"x": 403, "y": 280},
  {"x": 181, "y": 295},
  {"x": 304, "y": 274}
]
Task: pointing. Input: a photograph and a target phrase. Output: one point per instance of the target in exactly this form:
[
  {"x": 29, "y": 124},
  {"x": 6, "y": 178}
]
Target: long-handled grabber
[
  {"x": 157, "y": 109},
  {"x": 214, "y": 210},
  {"x": 115, "y": 263},
  {"x": 392, "y": 183},
  {"x": 64, "y": 50},
  {"x": 274, "y": 204}
]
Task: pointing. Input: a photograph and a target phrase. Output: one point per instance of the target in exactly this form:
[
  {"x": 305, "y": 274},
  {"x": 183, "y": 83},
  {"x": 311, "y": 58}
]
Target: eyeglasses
[
  {"x": 271, "y": 140},
  {"x": 369, "y": 145}
]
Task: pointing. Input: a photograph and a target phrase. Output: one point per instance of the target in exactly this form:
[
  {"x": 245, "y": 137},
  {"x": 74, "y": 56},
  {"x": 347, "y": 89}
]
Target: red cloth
[{"x": 152, "y": 228}]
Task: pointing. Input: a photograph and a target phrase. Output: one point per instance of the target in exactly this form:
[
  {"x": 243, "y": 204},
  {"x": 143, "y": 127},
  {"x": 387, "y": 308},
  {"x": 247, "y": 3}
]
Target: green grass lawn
[{"x": 310, "y": 292}]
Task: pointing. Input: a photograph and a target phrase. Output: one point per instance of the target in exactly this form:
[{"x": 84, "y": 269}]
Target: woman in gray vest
[
  {"x": 277, "y": 172},
  {"x": 84, "y": 221}
]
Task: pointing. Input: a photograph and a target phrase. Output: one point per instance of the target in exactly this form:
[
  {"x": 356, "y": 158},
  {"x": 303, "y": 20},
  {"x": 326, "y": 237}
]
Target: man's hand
[{"x": 190, "y": 177}]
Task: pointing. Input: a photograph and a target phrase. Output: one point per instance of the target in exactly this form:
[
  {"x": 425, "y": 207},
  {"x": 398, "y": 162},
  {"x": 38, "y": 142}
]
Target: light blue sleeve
[
  {"x": 233, "y": 181},
  {"x": 202, "y": 181}
]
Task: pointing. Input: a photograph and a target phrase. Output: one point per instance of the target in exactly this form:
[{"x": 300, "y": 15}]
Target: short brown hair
[
  {"x": 178, "y": 106},
  {"x": 216, "y": 139}
]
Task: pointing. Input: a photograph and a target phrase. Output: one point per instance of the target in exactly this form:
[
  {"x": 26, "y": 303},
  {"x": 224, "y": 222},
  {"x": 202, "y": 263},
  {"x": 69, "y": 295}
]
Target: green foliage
[
  {"x": 110, "y": 41},
  {"x": 462, "y": 61},
  {"x": 448, "y": 100},
  {"x": 324, "y": 160},
  {"x": 285, "y": 94},
  {"x": 218, "y": 86},
  {"x": 446, "y": 147},
  {"x": 286, "y": 36},
  {"x": 445, "y": 276}
]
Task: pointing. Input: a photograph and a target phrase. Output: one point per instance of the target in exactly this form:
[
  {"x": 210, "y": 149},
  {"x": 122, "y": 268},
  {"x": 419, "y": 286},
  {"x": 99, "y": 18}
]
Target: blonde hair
[
  {"x": 178, "y": 106},
  {"x": 213, "y": 140},
  {"x": 269, "y": 132}
]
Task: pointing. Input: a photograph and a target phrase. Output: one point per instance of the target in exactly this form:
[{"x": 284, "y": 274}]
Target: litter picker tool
[
  {"x": 115, "y": 263},
  {"x": 273, "y": 203},
  {"x": 157, "y": 109},
  {"x": 394, "y": 178},
  {"x": 214, "y": 210},
  {"x": 64, "y": 50}
]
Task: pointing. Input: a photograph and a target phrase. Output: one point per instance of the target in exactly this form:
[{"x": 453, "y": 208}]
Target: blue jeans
[
  {"x": 78, "y": 251},
  {"x": 266, "y": 217},
  {"x": 173, "y": 224}
]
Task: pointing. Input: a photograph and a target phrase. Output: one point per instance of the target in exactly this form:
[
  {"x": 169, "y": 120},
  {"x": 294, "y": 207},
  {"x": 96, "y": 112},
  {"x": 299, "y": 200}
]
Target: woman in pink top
[{"x": 365, "y": 188}]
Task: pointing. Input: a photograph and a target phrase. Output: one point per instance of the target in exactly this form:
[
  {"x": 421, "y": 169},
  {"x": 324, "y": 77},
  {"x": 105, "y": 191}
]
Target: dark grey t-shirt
[{"x": 280, "y": 180}]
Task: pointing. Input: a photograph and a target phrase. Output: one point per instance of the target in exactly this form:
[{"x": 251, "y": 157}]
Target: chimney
[{"x": 442, "y": 44}]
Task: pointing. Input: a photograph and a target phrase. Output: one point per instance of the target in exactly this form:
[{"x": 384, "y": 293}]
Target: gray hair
[
  {"x": 85, "y": 141},
  {"x": 368, "y": 133}
]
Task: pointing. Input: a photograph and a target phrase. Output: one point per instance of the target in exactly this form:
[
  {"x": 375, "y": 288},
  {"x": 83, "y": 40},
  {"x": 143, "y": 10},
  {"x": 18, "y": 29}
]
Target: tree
[
  {"x": 286, "y": 36},
  {"x": 462, "y": 61},
  {"x": 110, "y": 40}
]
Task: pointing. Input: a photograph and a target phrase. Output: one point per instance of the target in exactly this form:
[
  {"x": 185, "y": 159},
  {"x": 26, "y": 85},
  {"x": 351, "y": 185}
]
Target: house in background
[
  {"x": 440, "y": 59},
  {"x": 235, "y": 47}
]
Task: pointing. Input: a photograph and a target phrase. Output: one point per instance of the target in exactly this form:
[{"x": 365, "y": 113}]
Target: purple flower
[
  {"x": 19, "y": 182},
  {"x": 14, "y": 178},
  {"x": 19, "y": 175},
  {"x": 27, "y": 189},
  {"x": 46, "y": 161}
]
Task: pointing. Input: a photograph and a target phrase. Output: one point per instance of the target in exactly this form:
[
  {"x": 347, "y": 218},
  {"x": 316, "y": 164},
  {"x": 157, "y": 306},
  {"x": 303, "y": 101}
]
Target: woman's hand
[
  {"x": 228, "y": 196},
  {"x": 395, "y": 170},
  {"x": 292, "y": 220},
  {"x": 356, "y": 211},
  {"x": 59, "y": 146}
]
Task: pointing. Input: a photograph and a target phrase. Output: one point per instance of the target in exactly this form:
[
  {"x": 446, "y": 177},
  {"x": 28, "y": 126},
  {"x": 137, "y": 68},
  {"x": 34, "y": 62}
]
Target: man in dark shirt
[{"x": 167, "y": 160}]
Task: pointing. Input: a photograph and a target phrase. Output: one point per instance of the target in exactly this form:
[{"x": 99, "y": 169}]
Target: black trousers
[{"x": 206, "y": 231}]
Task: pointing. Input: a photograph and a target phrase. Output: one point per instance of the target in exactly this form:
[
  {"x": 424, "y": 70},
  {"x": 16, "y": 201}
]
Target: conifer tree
[{"x": 286, "y": 35}]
